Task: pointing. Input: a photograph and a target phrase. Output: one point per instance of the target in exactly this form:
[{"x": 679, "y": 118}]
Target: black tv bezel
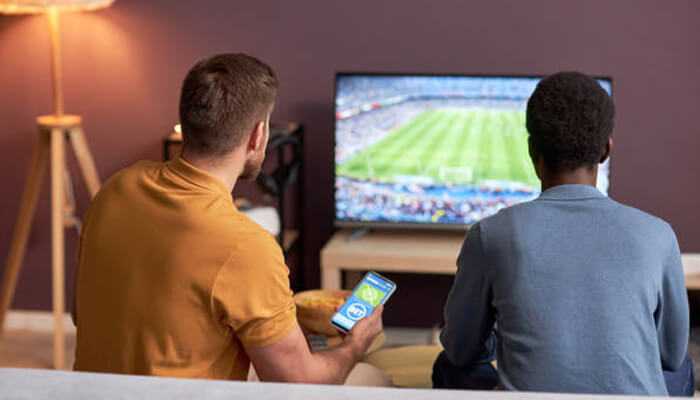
[{"x": 337, "y": 223}]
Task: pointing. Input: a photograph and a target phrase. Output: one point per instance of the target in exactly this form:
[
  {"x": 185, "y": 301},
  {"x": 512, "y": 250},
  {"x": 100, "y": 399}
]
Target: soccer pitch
[{"x": 449, "y": 146}]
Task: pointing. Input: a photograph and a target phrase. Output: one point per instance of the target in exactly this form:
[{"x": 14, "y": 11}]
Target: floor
[
  {"x": 27, "y": 343},
  {"x": 31, "y": 349}
]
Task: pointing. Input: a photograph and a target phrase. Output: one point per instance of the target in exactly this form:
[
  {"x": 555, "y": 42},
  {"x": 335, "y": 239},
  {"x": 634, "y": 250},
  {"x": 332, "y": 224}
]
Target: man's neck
[
  {"x": 580, "y": 176},
  {"x": 224, "y": 169}
]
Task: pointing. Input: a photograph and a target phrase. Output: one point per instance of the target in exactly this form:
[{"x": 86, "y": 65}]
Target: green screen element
[
  {"x": 452, "y": 147},
  {"x": 370, "y": 295}
]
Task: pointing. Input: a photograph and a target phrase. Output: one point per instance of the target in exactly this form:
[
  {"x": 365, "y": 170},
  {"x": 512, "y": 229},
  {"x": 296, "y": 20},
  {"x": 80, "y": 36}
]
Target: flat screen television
[{"x": 440, "y": 151}]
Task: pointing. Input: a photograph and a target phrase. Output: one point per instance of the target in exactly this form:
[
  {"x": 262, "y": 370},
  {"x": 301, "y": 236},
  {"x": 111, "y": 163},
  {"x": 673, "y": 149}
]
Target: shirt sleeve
[
  {"x": 251, "y": 293},
  {"x": 672, "y": 315},
  {"x": 469, "y": 317}
]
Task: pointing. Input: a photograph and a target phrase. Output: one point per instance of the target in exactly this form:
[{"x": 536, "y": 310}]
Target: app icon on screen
[
  {"x": 356, "y": 311},
  {"x": 370, "y": 295}
]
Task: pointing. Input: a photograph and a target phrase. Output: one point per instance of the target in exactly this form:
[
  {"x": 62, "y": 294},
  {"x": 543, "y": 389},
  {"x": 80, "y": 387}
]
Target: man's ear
[
  {"x": 257, "y": 137},
  {"x": 534, "y": 157},
  {"x": 607, "y": 150}
]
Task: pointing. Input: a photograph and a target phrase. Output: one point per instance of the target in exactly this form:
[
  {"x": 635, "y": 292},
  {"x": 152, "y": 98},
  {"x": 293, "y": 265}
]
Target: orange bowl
[{"x": 315, "y": 308}]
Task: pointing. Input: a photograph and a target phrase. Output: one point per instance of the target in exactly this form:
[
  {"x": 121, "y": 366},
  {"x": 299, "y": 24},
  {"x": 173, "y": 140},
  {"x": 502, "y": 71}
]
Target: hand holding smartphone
[{"x": 372, "y": 291}]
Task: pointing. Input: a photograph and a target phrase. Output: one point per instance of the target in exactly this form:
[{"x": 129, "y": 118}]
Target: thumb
[
  {"x": 377, "y": 314},
  {"x": 368, "y": 320}
]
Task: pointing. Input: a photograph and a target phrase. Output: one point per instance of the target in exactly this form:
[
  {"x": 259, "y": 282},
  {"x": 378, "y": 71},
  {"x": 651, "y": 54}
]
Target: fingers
[
  {"x": 369, "y": 321},
  {"x": 372, "y": 318},
  {"x": 377, "y": 312},
  {"x": 377, "y": 316},
  {"x": 374, "y": 321}
]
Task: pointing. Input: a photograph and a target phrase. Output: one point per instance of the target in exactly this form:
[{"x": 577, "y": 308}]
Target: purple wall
[{"x": 124, "y": 67}]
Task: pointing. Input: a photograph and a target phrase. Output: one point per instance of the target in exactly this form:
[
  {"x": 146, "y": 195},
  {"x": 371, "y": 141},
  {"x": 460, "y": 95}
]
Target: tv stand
[
  {"x": 358, "y": 233},
  {"x": 424, "y": 252}
]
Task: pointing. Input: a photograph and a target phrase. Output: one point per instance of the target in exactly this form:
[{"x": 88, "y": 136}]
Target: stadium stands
[{"x": 432, "y": 149}]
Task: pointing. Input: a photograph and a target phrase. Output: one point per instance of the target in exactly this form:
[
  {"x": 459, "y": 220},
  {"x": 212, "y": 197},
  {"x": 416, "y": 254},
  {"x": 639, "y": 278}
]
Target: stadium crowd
[
  {"x": 358, "y": 200},
  {"x": 357, "y": 91}
]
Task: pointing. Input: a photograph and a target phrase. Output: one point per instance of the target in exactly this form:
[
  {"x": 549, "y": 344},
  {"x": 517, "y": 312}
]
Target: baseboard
[
  {"x": 37, "y": 321},
  {"x": 691, "y": 263}
]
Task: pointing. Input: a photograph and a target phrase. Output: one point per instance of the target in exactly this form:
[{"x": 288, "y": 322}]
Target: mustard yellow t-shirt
[{"x": 173, "y": 280}]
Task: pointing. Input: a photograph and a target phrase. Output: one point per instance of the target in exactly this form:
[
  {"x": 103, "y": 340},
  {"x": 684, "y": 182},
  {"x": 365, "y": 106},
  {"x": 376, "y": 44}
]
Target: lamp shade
[{"x": 39, "y": 6}]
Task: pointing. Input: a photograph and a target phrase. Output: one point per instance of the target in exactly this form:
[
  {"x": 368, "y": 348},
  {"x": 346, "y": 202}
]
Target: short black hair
[
  {"x": 222, "y": 98},
  {"x": 570, "y": 118}
]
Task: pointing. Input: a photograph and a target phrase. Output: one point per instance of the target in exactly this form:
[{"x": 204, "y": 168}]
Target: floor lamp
[{"x": 55, "y": 131}]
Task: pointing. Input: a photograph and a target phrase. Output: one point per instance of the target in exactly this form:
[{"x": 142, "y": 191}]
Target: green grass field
[{"x": 450, "y": 146}]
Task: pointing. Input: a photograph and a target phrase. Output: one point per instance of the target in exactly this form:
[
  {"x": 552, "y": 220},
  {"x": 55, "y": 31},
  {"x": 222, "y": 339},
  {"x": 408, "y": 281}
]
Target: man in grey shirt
[{"x": 573, "y": 291}]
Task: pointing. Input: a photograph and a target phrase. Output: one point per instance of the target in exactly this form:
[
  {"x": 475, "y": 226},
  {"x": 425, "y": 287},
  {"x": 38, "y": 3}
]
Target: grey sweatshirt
[{"x": 587, "y": 294}]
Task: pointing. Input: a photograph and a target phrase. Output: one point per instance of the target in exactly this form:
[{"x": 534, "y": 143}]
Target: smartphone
[{"x": 372, "y": 291}]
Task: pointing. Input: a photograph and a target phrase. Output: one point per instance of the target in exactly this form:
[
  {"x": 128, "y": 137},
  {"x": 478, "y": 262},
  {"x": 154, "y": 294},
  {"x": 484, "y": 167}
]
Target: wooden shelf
[
  {"x": 691, "y": 267},
  {"x": 175, "y": 137},
  {"x": 417, "y": 252},
  {"x": 389, "y": 251},
  {"x": 285, "y": 149},
  {"x": 290, "y": 238}
]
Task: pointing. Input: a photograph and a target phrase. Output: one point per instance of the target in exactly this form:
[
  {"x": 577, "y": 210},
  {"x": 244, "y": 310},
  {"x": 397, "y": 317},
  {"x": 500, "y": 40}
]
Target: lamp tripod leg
[
  {"x": 58, "y": 163},
  {"x": 85, "y": 160},
  {"x": 69, "y": 217},
  {"x": 25, "y": 217}
]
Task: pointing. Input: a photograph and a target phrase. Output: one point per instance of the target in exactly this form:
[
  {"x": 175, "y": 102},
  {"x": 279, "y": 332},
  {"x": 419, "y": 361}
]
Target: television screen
[{"x": 432, "y": 150}]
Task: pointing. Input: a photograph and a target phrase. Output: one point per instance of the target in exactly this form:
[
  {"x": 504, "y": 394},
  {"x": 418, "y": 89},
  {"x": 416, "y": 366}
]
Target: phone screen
[{"x": 372, "y": 291}]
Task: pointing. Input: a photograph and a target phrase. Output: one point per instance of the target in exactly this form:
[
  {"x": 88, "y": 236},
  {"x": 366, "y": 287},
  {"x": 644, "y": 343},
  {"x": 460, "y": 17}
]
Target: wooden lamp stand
[{"x": 54, "y": 132}]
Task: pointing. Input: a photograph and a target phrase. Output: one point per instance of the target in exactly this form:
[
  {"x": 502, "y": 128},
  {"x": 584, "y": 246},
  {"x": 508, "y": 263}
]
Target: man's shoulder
[
  {"x": 536, "y": 206},
  {"x": 130, "y": 174},
  {"x": 139, "y": 169},
  {"x": 533, "y": 212},
  {"x": 248, "y": 237},
  {"x": 642, "y": 221},
  {"x": 122, "y": 182},
  {"x": 637, "y": 214},
  {"x": 505, "y": 214},
  {"x": 253, "y": 253}
]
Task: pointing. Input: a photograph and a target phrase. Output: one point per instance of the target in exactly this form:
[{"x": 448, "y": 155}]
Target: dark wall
[{"x": 124, "y": 66}]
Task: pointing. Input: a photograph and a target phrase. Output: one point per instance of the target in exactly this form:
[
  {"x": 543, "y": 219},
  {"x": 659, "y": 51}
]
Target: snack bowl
[{"x": 315, "y": 308}]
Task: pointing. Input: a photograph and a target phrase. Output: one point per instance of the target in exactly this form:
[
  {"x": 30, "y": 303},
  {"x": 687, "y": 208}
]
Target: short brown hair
[{"x": 222, "y": 98}]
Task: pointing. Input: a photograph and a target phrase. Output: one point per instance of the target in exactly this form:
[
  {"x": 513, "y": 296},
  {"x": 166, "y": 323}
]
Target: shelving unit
[{"x": 281, "y": 171}]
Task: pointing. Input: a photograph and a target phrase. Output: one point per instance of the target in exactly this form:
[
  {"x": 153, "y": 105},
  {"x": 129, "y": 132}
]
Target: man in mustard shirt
[{"x": 172, "y": 279}]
